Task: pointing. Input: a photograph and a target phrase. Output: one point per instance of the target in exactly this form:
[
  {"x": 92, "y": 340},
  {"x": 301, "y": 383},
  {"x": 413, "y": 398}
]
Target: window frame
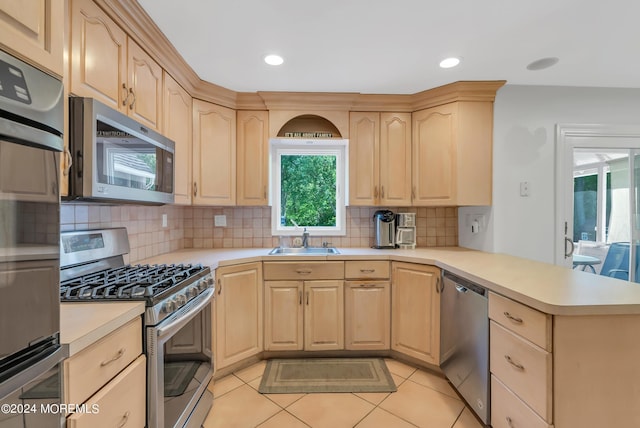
[{"x": 289, "y": 146}]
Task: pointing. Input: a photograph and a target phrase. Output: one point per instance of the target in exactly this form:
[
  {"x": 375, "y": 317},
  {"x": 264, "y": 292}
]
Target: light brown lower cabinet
[
  {"x": 304, "y": 315},
  {"x": 367, "y": 315},
  {"x": 120, "y": 403},
  {"x": 415, "y": 309},
  {"x": 238, "y": 313}
]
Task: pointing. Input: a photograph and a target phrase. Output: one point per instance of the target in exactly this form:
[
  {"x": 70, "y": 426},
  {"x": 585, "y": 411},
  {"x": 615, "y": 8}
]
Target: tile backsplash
[{"x": 193, "y": 227}]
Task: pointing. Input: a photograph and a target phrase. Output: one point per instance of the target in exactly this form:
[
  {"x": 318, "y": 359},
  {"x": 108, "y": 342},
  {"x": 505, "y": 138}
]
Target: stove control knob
[
  {"x": 192, "y": 292},
  {"x": 168, "y": 306},
  {"x": 180, "y": 299},
  {"x": 203, "y": 284}
]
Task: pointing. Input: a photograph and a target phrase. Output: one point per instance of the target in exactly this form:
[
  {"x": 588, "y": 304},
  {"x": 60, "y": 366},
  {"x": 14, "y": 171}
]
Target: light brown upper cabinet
[
  {"x": 111, "y": 67},
  {"x": 452, "y": 154},
  {"x": 34, "y": 30},
  {"x": 178, "y": 126},
  {"x": 253, "y": 157},
  {"x": 380, "y": 159},
  {"x": 214, "y": 154}
]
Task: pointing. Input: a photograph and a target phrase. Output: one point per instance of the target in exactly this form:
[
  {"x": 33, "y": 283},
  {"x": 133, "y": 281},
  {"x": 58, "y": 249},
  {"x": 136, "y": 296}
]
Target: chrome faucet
[{"x": 305, "y": 238}]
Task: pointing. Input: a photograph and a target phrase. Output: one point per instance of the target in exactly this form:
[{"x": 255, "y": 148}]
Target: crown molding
[
  {"x": 309, "y": 100},
  {"x": 459, "y": 91},
  {"x": 141, "y": 28}
]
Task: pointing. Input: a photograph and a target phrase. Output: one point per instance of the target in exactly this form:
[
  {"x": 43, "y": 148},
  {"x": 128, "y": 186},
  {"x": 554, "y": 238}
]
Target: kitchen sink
[{"x": 302, "y": 251}]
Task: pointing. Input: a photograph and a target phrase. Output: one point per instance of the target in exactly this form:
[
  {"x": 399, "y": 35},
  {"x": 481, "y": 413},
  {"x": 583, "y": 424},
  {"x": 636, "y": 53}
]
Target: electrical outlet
[
  {"x": 220, "y": 220},
  {"x": 165, "y": 220},
  {"x": 524, "y": 189}
]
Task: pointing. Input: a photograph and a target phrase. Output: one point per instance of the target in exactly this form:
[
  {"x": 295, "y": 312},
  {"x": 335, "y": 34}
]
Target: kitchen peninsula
[{"x": 591, "y": 324}]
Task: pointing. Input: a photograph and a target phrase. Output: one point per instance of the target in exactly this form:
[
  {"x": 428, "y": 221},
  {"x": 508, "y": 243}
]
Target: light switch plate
[
  {"x": 220, "y": 220},
  {"x": 165, "y": 221}
]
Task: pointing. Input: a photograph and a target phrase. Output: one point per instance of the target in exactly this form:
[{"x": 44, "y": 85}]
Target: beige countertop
[
  {"x": 82, "y": 324},
  {"x": 552, "y": 289}
]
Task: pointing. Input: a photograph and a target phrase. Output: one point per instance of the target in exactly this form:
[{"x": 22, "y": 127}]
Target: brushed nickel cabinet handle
[
  {"x": 68, "y": 161},
  {"x": 125, "y": 96},
  {"x": 307, "y": 298},
  {"x": 124, "y": 420},
  {"x": 413, "y": 193},
  {"x": 375, "y": 192},
  {"x": 367, "y": 285},
  {"x": 219, "y": 286},
  {"x": 119, "y": 355},
  {"x": 300, "y": 297},
  {"x": 265, "y": 192},
  {"x": 195, "y": 189},
  {"x": 513, "y": 363},
  {"x": 367, "y": 270},
  {"x": 134, "y": 98},
  {"x": 382, "y": 192},
  {"x": 513, "y": 318},
  {"x": 303, "y": 271},
  {"x": 510, "y": 422}
]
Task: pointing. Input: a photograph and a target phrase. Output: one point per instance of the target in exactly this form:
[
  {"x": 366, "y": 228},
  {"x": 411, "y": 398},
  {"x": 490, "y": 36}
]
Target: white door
[{"x": 597, "y": 183}]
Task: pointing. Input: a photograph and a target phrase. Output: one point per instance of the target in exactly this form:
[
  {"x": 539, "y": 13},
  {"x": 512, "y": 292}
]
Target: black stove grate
[{"x": 131, "y": 282}]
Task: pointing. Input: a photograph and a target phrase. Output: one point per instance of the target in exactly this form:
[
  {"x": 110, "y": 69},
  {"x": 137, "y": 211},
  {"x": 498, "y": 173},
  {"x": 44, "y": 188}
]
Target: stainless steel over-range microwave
[{"x": 116, "y": 159}]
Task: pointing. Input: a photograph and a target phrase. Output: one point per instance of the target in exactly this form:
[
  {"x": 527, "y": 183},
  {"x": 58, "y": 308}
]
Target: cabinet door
[
  {"x": 98, "y": 55},
  {"x": 238, "y": 313},
  {"x": 395, "y": 159},
  {"x": 145, "y": 87},
  {"x": 324, "y": 315},
  {"x": 434, "y": 156},
  {"x": 364, "y": 158},
  {"x": 283, "y": 310},
  {"x": 415, "y": 300},
  {"x": 33, "y": 30},
  {"x": 178, "y": 127},
  {"x": 214, "y": 154},
  {"x": 367, "y": 315},
  {"x": 253, "y": 157}
]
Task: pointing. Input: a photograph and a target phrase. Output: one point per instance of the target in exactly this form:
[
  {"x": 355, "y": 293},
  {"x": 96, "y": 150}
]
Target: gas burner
[{"x": 130, "y": 282}]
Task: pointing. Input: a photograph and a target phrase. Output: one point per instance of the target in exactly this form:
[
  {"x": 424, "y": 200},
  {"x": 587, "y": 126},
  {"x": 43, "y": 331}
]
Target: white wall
[{"x": 524, "y": 150}]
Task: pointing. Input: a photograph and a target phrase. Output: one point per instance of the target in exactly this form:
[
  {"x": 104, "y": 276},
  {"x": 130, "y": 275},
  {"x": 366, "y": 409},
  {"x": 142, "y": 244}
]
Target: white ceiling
[{"x": 394, "y": 47}]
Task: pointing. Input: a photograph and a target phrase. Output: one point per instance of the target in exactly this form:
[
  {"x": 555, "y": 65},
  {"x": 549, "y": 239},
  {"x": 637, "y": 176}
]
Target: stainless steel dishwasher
[{"x": 464, "y": 341}]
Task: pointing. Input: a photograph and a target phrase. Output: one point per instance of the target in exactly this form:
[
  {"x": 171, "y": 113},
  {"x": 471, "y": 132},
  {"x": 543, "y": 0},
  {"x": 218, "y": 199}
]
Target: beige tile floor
[{"x": 423, "y": 399}]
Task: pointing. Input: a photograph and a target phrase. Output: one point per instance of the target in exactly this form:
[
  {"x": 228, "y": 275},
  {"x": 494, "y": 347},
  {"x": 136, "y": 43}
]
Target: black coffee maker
[{"x": 385, "y": 229}]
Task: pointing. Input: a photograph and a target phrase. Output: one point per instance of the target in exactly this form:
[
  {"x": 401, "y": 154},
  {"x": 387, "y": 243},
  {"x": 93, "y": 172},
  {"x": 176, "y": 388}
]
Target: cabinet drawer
[
  {"x": 94, "y": 366},
  {"x": 522, "y": 367},
  {"x": 302, "y": 271},
  {"x": 508, "y": 411},
  {"x": 122, "y": 402},
  {"x": 522, "y": 320},
  {"x": 364, "y": 269}
]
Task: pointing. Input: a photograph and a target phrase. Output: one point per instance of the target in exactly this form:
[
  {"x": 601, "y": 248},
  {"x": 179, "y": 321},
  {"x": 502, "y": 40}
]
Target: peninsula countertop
[{"x": 552, "y": 289}]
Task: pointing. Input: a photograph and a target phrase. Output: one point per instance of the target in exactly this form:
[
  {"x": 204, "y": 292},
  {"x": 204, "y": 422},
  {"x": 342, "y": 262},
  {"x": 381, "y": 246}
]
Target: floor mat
[{"x": 287, "y": 376}]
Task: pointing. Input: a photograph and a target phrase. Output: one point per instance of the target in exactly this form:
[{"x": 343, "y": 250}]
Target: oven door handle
[
  {"x": 35, "y": 371},
  {"x": 183, "y": 319}
]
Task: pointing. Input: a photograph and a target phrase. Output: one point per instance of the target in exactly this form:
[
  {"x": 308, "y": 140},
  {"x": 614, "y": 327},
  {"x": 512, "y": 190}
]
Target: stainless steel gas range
[{"x": 177, "y": 319}]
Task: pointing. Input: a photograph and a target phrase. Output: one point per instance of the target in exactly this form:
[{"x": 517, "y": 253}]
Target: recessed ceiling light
[
  {"x": 543, "y": 63},
  {"x": 449, "y": 62},
  {"x": 273, "y": 59}
]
